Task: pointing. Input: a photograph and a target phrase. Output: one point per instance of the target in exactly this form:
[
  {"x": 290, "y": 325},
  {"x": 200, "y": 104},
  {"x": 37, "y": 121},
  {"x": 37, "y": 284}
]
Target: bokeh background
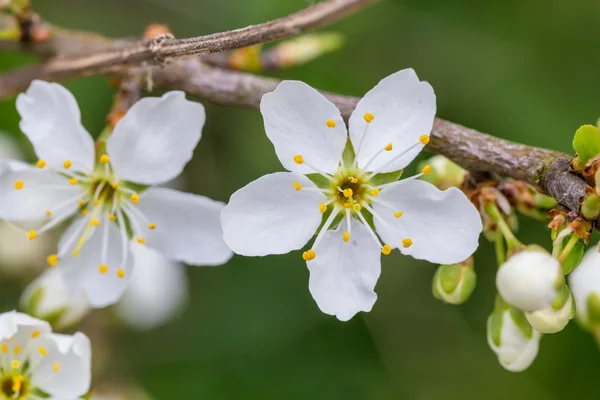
[{"x": 526, "y": 70}]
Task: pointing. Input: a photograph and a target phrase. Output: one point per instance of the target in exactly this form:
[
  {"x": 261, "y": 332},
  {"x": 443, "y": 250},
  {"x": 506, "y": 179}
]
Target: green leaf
[{"x": 586, "y": 144}]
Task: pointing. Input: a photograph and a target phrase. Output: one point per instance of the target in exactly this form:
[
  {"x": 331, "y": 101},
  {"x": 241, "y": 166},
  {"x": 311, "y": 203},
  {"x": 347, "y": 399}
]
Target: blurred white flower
[
  {"x": 37, "y": 363},
  {"x": 48, "y": 298},
  {"x": 585, "y": 285},
  {"x": 150, "y": 145},
  {"x": 281, "y": 212},
  {"x": 530, "y": 280},
  {"x": 513, "y": 340}
]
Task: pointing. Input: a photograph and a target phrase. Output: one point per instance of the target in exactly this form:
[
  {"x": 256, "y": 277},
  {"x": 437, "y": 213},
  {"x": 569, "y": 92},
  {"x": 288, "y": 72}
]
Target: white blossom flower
[
  {"x": 158, "y": 290},
  {"x": 280, "y": 212},
  {"x": 585, "y": 286},
  {"x": 38, "y": 364},
  {"x": 48, "y": 298},
  {"x": 515, "y": 343},
  {"x": 110, "y": 187},
  {"x": 530, "y": 280}
]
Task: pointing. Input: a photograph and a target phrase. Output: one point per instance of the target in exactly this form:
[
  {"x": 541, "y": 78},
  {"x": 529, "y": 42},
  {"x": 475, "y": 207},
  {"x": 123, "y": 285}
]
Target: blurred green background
[{"x": 520, "y": 69}]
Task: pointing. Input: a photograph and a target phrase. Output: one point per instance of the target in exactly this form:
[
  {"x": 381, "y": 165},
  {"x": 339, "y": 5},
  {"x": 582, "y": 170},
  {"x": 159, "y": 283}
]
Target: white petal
[
  {"x": 404, "y": 109},
  {"x": 65, "y": 371},
  {"x": 444, "y": 226},
  {"x": 187, "y": 226},
  {"x": 296, "y": 118},
  {"x": 156, "y": 138},
  {"x": 269, "y": 216},
  {"x": 13, "y": 322},
  {"x": 343, "y": 275},
  {"x": 82, "y": 274},
  {"x": 585, "y": 280},
  {"x": 9, "y": 149},
  {"x": 158, "y": 290},
  {"x": 51, "y": 120},
  {"x": 516, "y": 352},
  {"x": 528, "y": 280},
  {"x": 43, "y": 190}
]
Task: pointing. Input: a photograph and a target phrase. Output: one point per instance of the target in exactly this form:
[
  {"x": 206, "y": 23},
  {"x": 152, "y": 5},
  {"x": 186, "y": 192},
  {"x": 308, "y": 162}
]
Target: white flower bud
[
  {"x": 585, "y": 285},
  {"x": 454, "y": 283},
  {"x": 554, "y": 318},
  {"x": 513, "y": 340},
  {"x": 530, "y": 280},
  {"x": 48, "y": 298}
]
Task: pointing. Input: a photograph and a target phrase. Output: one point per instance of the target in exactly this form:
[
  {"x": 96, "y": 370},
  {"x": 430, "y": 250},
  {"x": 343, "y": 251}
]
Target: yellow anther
[
  {"x": 81, "y": 203},
  {"x": 15, "y": 364},
  {"x": 298, "y": 159},
  {"x": 35, "y": 334},
  {"x": 407, "y": 243},
  {"x": 104, "y": 159},
  {"x": 426, "y": 170},
  {"x": 111, "y": 217},
  {"x": 369, "y": 117},
  {"x": 103, "y": 268},
  {"x": 121, "y": 273},
  {"x": 347, "y": 205},
  {"x": 48, "y": 213},
  {"x": 330, "y": 123},
  {"x": 52, "y": 260},
  {"x": 297, "y": 185},
  {"x": 5, "y": 348},
  {"x": 32, "y": 234},
  {"x": 84, "y": 211},
  {"x": 388, "y": 147},
  {"x": 56, "y": 367},
  {"x": 346, "y": 237},
  {"x": 75, "y": 253},
  {"x": 114, "y": 185},
  {"x": 19, "y": 184},
  {"x": 96, "y": 203},
  {"x": 140, "y": 240},
  {"x": 322, "y": 208},
  {"x": 356, "y": 207},
  {"x": 353, "y": 180},
  {"x": 134, "y": 198},
  {"x": 17, "y": 350},
  {"x": 375, "y": 192},
  {"x": 67, "y": 164},
  {"x": 17, "y": 383},
  {"x": 42, "y": 351},
  {"x": 95, "y": 222},
  {"x": 398, "y": 214},
  {"x": 152, "y": 227},
  {"x": 309, "y": 255},
  {"x": 40, "y": 164},
  {"x": 73, "y": 181},
  {"x": 348, "y": 192},
  {"x": 424, "y": 139},
  {"x": 386, "y": 250}
]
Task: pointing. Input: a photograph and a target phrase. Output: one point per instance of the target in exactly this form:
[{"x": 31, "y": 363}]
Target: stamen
[
  {"x": 81, "y": 203},
  {"x": 297, "y": 185},
  {"x": 104, "y": 249},
  {"x": 366, "y": 224},
  {"x": 67, "y": 164},
  {"x": 40, "y": 164},
  {"x": 124, "y": 237},
  {"x": 19, "y": 184},
  {"x": 347, "y": 205},
  {"x": 322, "y": 208},
  {"x": 15, "y": 364},
  {"x": 424, "y": 139},
  {"x": 348, "y": 192},
  {"x": 104, "y": 159},
  {"x": 84, "y": 212},
  {"x": 48, "y": 213},
  {"x": 42, "y": 351},
  {"x": 298, "y": 159},
  {"x": 17, "y": 384},
  {"x": 32, "y": 234},
  {"x": 375, "y": 214},
  {"x": 326, "y": 226},
  {"x": 346, "y": 237},
  {"x": 379, "y": 152},
  {"x": 17, "y": 350},
  {"x": 114, "y": 185},
  {"x": 121, "y": 273},
  {"x": 309, "y": 255},
  {"x": 369, "y": 117},
  {"x": 140, "y": 240},
  {"x": 356, "y": 207},
  {"x": 349, "y": 221},
  {"x": 111, "y": 217},
  {"x": 426, "y": 170},
  {"x": 391, "y": 160},
  {"x": 375, "y": 192},
  {"x": 56, "y": 367},
  {"x": 86, "y": 233},
  {"x": 95, "y": 222},
  {"x": 406, "y": 243},
  {"x": 35, "y": 334},
  {"x": 388, "y": 147},
  {"x": 398, "y": 214},
  {"x": 135, "y": 198},
  {"x": 103, "y": 269},
  {"x": 330, "y": 123},
  {"x": 360, "y": 144},
  {"x": 71, "y": 239},
  {"x": 386, "y": 250},
  {"x": 4, "y": 348},
  {"x": 73, "y": 181},
  {"x": 152, "y": 226}
]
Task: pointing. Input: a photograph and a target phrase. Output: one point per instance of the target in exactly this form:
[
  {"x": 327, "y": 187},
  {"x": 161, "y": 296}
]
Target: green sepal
[
  {"x": 449, "y": 276},
  {"x": 561, "y": 299},
  {"x": 521, "y": 322},
  {"x": 319, "y": 180},
  {"x": 590, "y": 207},
  {"x": 53, "y": 317},
  {"x": 32, "y": 304},
  {"x": 544, "y": 202},
  {"x": 388, "y": 177},
  {"x": 348, "y": 154},
  {"x": 593, "y": 310},
  {"x": 586, "y": 144},
  {"x": 496, "y": 321},
  {"x": 575, "y": 256}
]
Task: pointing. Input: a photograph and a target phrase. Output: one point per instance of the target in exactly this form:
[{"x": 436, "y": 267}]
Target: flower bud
[
  {"x": 585, "y": 285},
  {"x": 513, "y": 340},
  {"x": 48, "y": 298},
  {"x": 530, "y": 279},
  {"x": 554, "y": 318},
  {"x": 454, "y": 283}
]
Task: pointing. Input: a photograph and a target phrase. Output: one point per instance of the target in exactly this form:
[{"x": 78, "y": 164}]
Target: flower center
[
  {"x": 350, "y": 187},
  {"x": 14, "y": 387}
]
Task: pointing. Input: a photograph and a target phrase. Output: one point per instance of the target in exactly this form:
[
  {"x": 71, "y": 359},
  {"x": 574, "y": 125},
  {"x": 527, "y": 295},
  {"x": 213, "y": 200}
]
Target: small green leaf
[{"x": 586, "y": 144}]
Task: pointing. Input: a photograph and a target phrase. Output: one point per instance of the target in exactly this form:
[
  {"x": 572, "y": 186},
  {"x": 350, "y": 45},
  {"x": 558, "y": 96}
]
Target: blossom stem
[{"x": 500, "y": 250}]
